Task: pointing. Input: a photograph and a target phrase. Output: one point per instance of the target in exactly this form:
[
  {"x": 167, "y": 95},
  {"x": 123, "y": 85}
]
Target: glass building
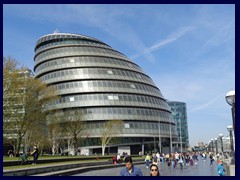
[
  {"x": 179, "y": 112},
  {"x": 103, "y": 84}
]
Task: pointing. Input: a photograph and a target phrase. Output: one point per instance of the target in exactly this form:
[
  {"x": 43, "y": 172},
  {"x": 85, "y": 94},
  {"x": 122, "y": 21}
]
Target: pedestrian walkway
[{"x": 203, "y": 168}]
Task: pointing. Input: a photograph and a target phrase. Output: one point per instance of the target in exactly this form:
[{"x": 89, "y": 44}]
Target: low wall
[
  {"x": 56, "y": 170},
  {"x": 42, "y": 161}
]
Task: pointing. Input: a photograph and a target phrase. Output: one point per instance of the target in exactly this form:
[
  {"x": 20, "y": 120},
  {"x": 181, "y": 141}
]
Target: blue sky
[{"x": 188, "y": 50}]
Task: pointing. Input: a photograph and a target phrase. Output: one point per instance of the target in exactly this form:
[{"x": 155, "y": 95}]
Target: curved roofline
[{"x": 79, "y": 35}]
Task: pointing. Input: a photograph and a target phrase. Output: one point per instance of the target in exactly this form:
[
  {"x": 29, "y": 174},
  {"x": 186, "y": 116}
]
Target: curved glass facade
[{"x": 103, "y": 84}]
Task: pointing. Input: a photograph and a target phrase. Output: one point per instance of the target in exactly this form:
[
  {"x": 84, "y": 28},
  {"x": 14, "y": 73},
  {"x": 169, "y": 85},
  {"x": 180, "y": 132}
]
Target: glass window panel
[
  {"x": 120, "y": 111},
  {"x": 114, "y": 111},
  {"x": 97, "y": 125},
  {"x": 131, "y": 125},
  {"x": 126, "y": 125},
  {"x": 90, "y": 97},
  {"x": 100, "y": 96},
  {"x": 110, "y": 72},
  {"x": 104, "y": 110},
  {"x": 132, "y": 86},
  {"x": 95, "y": 97},
  {"x": 109, "y": 110},
  {"x": 136, "y": 125}
]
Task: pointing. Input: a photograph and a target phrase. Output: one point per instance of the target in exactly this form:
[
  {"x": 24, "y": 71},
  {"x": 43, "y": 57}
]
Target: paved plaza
[{"x": 203, "y": 168}]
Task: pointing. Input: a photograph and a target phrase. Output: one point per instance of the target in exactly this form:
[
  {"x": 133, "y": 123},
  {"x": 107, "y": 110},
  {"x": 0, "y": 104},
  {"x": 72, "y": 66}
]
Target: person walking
[
  {"x": 172, "y": 160},
  {"x": 162, "y": 157},
  {"x": 158, "y": 158},
  {"x": 181, "y": 157},
  {"x": 34, "y": 153},
  {"x": 147, "y": 160},
  {"x": 114, "y": 160},
  {"x": 21, "y": 150},
  {"x": 204, "y": 156},
  {"x": 220, "y": 169},
  {"x": 187, "y": 159},
  {"x": 211, "y": 159},
  {"x": 130, "y": 169},
  {"x": 118, "y": 158},
  {"x": 10, "y": 153},
  {"x": 154, "y": 159},
  {"x": 154, "y": 170}
]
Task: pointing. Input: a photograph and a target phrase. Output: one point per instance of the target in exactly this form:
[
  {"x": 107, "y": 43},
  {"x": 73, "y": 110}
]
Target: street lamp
[
  {"x": 216, "y": 145},
  {"x": 159, "y": 137},
  {"x": 221, "y": 140},
  {"x": 209, "y": 145},
  {"x": 230, "y": 129},
  {"x": 170, "y": 126},
  {"x": 212, "y": 145},
  {"x": 230, "y": 98},
  {"x": 180, "y": 123}
]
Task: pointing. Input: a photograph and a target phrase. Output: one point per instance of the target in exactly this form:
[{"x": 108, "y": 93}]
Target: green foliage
[
  {"x": 111, "y": 129},
  {"x": 25, "y": 104}
]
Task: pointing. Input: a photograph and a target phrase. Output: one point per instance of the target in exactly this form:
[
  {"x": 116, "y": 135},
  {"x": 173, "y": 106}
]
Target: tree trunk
[
  {"x": 75, "y": 146},
  {"x": 103, "y": 150},
  {"x": 41, "y": 152},
  {"x": 14, "y": 151}
]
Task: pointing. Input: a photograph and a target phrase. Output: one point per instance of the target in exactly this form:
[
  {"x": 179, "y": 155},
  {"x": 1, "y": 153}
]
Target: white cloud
[
  {"x": 170, "y": 39},
  {"x": 221, "y": 36},
  {"x": 208, "y": 103}
]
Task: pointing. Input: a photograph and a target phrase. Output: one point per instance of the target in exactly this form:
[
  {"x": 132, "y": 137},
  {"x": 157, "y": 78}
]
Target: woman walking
[
  {"x": 220, "y": 169},
  {"x": 147, "y": 160},
  {"x": 154, "y": 170}
]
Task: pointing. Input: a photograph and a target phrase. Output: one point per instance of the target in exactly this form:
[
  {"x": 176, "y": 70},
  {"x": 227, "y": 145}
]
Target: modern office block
[{"x": 179, "y": 112}]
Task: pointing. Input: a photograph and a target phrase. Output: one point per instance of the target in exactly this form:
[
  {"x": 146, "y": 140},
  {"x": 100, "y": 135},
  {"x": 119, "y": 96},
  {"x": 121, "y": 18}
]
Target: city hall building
[{"x": 103, "y": 84}]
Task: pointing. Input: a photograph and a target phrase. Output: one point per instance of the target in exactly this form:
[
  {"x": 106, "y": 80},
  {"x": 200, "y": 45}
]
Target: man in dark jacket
[{"x": 35, "y": 154}]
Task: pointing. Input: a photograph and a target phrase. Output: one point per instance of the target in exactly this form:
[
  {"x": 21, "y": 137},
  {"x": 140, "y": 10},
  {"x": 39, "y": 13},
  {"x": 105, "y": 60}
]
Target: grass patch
[
  {"x": 59, "y": 163},
  {"x": 6, "y": 158},
  {"x": 49, "y": 164}
]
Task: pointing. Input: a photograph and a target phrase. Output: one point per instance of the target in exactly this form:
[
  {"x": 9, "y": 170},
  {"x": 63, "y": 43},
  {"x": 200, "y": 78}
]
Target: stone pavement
[{"x": 203, "y": 168}]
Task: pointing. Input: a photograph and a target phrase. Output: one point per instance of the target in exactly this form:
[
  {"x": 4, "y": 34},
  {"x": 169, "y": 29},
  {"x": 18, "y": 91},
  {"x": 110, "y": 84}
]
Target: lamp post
[
  {"x": 180, "y": 123},
  {"x": 209, "y": 146},
  {"x": 230, "y": 129},
  {"x": 159, "y": 137},
  {"x": 154, "y": 148},
  {"x": 221, "y": 140},
  {"x": 212, "y": 145},
  {"x": 216, "y": 145},
  {"x": 170, "y": 126},
  {"x": 230, "y": 98}
]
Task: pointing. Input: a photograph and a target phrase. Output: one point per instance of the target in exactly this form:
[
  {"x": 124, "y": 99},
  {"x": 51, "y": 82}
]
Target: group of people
[
  {"x": 25, "y": 154},
  {"x": 175, "y": 158},
  {"x": 131, "y": 170},
  {"x": 120, "y": 158}
]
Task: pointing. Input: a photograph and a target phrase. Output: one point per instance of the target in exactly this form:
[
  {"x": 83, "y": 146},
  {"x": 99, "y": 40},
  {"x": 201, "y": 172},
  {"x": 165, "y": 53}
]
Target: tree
[
  {"x": 73, "y": 127},
  {"x": 110, "y": 129},
  {"x": 25, "y": 102},
  {"x": 38, "y": 97},
  {"x": 55, "y": 132}
]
